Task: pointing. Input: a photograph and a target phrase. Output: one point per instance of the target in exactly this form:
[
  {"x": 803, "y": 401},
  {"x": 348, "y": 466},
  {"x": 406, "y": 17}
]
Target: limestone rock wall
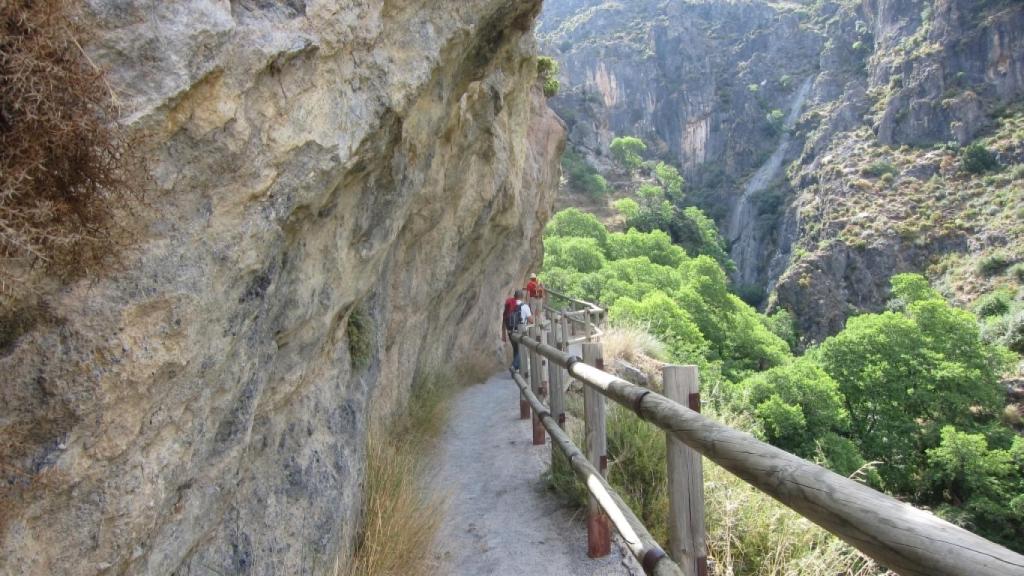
[{"x": 328, "y": 176}]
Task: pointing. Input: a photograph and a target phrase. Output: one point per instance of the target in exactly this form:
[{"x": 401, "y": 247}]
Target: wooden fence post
[
  {"x": 555, "y": 386},
  {"x": 589, "y": 324},
  {"x": 524, "y": 368},
  {"x": 535, "y": 384},
  {"x": 599, "y": 543},
  {"x": 686, "y": 540}
]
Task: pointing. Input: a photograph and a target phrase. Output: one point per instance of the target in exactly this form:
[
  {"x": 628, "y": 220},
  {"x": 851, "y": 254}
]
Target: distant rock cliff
[
  {"x": 343, "y": 193},
  {"x": 871, "y": 183}
]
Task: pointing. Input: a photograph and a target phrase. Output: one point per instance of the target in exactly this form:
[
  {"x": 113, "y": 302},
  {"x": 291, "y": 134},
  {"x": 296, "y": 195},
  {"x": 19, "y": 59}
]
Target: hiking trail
[{"x": 501, "y": 519}]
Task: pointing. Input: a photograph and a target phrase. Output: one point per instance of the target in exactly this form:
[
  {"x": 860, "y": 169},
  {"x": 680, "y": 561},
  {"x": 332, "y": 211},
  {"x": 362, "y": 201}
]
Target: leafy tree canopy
[
  {"x": 627, "y": 150},
  {"x": 573, "y": 222}
]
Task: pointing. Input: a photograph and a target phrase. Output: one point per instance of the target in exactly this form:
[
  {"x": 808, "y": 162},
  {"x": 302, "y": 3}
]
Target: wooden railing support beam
[
  {"x": 686, "y": 537},
  {"x": 599, "y": 536},
  {"x": 535, "y": 385},
  {"x": 641, "y": 544}
]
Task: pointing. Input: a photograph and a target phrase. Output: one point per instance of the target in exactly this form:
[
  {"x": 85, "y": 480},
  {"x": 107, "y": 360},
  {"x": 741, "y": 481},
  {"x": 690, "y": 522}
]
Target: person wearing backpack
[
  {"x": 515, "y": 314},
  {"x": 534, "y": 287}
]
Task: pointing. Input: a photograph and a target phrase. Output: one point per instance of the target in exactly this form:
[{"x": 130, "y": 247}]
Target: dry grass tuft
[
  {"x": 401, "y": 517},
  {"x": 629, "y": 342},
  {"x": 63, "y": 161}
]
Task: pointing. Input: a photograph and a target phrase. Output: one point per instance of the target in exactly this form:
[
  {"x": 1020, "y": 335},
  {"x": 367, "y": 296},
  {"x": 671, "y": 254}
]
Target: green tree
[
  {"x": 669, "y": 177},
  {"x": 908, "y": 289},
  {"x": 582, "y": 176},
  {"x": 782, "y": 324},
  {"x": 904, "y": 375},
  {"x": 573, "y": 222},
  {"x": 582, "y": 254},
  {"x": 655, "y": 245},
  {"x": 979, "y": 485},
  {"x": 627, "y": 150},
  {"x": 666, "y": 320},
  {"x": 698, "y": 234},
  {"x": 796, "y": 404},
  {"x": 628, "y": 207}
]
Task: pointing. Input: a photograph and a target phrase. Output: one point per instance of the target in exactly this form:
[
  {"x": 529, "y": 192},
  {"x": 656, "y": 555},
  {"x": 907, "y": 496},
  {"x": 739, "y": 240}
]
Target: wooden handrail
[
  {"x": 584, "y": 316},
  {"x": 908, "y": 540},
  {"x": 641, "y": 544}
]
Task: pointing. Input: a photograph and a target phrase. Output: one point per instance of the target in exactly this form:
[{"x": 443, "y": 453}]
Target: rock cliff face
[
  {"x": 698, "y": 82},
  {"x": 874, "y": 195},
  {"x": 343, "y": 193},
  {"x": 863, "y": 192}
]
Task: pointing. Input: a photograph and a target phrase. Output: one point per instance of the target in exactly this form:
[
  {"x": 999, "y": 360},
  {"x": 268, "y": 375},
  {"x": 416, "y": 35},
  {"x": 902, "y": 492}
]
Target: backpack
[{"x": 513, "y": 314}]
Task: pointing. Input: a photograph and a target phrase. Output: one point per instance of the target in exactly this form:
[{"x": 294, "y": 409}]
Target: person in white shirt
[{"x": 517, "y": 312}]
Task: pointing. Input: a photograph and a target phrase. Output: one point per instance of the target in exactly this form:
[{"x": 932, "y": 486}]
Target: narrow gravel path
[{"x": 501, "y": 520}]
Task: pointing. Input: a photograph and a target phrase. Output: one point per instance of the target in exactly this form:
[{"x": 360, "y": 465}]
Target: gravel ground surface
[{"x": 501, "y": 519}]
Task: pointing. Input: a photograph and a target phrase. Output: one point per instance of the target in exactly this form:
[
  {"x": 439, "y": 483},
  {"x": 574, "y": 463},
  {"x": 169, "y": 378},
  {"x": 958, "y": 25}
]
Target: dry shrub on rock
[{"x": 63, "y": 158}]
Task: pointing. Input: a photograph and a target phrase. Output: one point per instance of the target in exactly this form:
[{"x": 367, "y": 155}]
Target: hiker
[
  {"x": 534, "y": 288},
  {"x": 515, "y": 314}
]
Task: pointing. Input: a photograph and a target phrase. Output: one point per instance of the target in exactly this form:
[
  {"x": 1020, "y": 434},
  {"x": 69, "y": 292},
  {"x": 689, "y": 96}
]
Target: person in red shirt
[{"x": 534, "y": 288}]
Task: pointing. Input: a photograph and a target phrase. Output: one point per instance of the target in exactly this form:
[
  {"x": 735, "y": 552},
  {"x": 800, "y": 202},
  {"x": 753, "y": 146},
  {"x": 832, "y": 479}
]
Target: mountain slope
[{"x": 866, "y": 191}]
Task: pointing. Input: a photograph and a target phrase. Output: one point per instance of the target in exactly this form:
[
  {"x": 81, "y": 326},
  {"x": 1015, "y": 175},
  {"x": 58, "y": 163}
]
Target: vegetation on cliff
[{"x": 63, "y": 161}]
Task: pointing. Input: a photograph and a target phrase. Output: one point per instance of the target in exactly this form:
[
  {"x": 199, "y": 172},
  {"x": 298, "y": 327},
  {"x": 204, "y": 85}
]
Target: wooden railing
[{"x": 898, "y": 536}]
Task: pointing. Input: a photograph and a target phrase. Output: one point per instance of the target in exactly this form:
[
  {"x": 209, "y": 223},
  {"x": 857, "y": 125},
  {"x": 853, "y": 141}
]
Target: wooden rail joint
[{"x": 651, "y": 559}]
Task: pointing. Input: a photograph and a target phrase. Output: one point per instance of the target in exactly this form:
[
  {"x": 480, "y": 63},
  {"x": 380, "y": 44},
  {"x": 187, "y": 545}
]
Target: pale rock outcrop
[{"x": 198, "y": 410}]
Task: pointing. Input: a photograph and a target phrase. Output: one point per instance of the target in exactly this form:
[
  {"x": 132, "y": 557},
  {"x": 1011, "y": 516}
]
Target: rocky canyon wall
[
  {"x": 342, "y": 193},
  {"x": 870, "y": 183}
]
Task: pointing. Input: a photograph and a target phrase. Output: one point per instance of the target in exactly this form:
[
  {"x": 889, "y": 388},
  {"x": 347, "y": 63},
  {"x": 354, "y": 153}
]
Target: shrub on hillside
[
  {"x": 977, "y": 159},
  {"x": 1017, "y": 271},
  {"x": 62, "y": 160},
  {"x": 880, "y": 168},
  {"x": 995, "y": 304},
  {"x": 993, "y": 264},
  {"x": 1014, "y": 338}
]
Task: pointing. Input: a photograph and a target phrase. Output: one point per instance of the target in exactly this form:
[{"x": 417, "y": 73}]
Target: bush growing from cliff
[
  {"x": 627, "y": 151},
  {"x": 63, "y": 163},
  {"x": 977, "y": 159},
  {"x": 359, "y": 330},
  {"x": 776, "y": 119},
  {"x": 547, "y": 72}
]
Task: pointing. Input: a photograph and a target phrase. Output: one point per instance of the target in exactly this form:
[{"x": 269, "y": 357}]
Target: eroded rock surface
[{"x": 329, "y": 177}]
